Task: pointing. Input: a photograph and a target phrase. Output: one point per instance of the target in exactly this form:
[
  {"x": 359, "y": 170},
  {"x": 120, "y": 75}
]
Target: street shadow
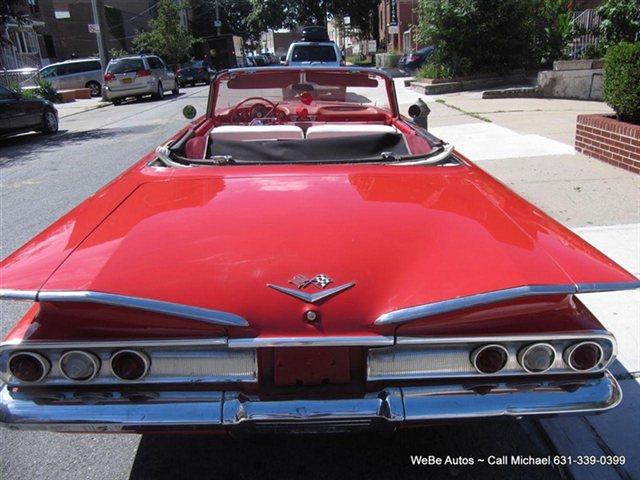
[
  {"x": 365, "y": 455},
  {"x": 26, "y": 147}
]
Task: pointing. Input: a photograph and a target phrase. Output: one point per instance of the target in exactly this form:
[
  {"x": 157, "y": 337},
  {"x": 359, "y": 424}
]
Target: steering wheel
[{"x": 233, "y": 111}]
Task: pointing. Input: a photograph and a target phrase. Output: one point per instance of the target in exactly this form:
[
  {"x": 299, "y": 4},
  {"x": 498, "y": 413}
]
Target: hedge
[{"x": 622, "y": 80}]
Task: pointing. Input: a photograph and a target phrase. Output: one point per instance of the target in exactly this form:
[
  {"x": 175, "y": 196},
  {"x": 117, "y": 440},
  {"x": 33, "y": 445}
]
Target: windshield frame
[{"x": 224, "y": 74}]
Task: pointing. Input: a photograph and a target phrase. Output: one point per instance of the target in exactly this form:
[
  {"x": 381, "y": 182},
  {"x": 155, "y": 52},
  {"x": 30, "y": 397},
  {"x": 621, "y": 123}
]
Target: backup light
[
  {"x": 537, "y": 358},
  {"x": 79, "y": 366}
]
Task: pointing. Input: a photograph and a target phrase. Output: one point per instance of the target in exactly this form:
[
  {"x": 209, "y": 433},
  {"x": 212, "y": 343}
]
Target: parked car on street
[
  {"x": 414, "y": 60},
  {"x": 71, "y": 74},
  {"x": 315, "y": 48},
  {"x": 196, "y": 71},
  {"x": 137, "y": 76},
  {"x": 18, "y": 114},
  {"x": 261, "y": 60},
  {"x": 295, "y": 264}
]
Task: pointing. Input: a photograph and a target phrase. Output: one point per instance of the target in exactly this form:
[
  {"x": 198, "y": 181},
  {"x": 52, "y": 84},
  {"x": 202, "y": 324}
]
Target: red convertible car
[{"x": 303, "y": 258}]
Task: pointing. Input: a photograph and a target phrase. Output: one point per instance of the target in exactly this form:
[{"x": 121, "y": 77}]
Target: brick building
[{"x": 396, "y": 18}]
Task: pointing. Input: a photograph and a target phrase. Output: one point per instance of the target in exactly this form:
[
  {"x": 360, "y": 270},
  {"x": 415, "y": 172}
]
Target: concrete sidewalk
[
  {"x": 79, "y": 106},
  {"x": 527, "y": 143}
]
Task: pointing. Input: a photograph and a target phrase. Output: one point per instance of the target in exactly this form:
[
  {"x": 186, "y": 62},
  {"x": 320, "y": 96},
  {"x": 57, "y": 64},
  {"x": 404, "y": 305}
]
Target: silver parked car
[
  {"x": 136, "y": 76},
  {"x": 77, "y": 73}
]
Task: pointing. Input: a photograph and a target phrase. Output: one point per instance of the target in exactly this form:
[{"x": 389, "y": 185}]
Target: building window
[
  {"x": 25, "y": 42},
  {"x": 33, "y": 6}
]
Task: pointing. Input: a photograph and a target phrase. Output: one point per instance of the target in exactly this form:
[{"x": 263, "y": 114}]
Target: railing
[{"x": 585, "y": 22}]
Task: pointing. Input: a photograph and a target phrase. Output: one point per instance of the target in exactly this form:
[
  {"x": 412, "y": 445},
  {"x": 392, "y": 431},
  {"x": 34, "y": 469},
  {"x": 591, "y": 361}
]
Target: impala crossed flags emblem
[{"x": 320, "y": 281}]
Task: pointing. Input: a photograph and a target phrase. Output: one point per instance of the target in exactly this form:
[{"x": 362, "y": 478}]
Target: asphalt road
[{"x": 41, "y": 178}]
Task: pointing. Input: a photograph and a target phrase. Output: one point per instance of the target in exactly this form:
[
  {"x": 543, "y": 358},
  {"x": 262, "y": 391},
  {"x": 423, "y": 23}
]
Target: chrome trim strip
[
  {"x": 445, "y": 306},
  {"x": 371, "y": 341},
  {"x": 180, "y": 342},
  {"x": 311, "y": 297},
  {"x": 25, "y": 295},
  {"x": 176, "y": 309},
  {"x": 116, "y": 411},
  {"x": 582, "y": 335},
  {"x": 606, "y": 287}
]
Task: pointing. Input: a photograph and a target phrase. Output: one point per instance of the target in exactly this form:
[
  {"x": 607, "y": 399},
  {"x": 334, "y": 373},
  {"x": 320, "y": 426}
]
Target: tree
[
  {"x": 166, "y": 37},
  {"x": 234, "y": 15},
  {"x": 11, "y": 11},
  {"x": 620, "y": 22}
]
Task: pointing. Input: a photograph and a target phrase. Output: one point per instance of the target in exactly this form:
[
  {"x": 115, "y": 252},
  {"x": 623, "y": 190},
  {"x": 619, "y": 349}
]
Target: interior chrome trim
[
  {"x": 524, "y": 351},
  {"x": 25, "y": 295},
  {"x": 176, "y": 309},
  {"x": 258, "y": 342},
  {"x": 445, "y": 306}
]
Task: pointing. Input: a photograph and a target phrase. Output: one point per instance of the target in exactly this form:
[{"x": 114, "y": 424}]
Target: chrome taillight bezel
[
  {"x": 44, "y": 362},
  {"x": 526, "y": 350},
  {"x": 145, "y": 360},
  {"x": 479, "y": 350},
  {"x": 94, "y": 360},
  {"x": 568, "y": 353}
]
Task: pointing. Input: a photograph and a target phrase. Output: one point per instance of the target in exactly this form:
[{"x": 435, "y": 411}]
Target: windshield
[
  {"x": 314, "y": 53},
  {"x": 311, "y": 89},
  {"x": 125, "y": 65}
]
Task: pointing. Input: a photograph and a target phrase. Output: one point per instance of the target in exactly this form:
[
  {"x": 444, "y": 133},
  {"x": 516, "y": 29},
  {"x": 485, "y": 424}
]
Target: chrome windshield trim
[
  {"x": 370, "y": 341},
  {"x": 176, "y": 309},
  {"x": 25, "y": 295},
  {"x": 460, "y": 303}
]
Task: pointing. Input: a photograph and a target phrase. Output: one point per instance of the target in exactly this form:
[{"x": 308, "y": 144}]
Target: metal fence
[{"x": 586, "y": 23}]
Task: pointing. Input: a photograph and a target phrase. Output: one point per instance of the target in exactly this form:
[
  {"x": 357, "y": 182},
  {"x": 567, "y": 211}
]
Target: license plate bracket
[{"x": 311, "y": 366}]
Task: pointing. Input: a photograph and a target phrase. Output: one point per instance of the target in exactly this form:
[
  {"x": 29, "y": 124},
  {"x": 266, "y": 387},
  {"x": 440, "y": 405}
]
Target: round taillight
[
  {"x": 79, "y": 366},
  {"x": 28, "y": 367},
  {"x": 583, "y": 356},
  {"x": 537, "y": 358},
  {"x": 129, "y": 365},
  {"x": 489, "y": 358}
]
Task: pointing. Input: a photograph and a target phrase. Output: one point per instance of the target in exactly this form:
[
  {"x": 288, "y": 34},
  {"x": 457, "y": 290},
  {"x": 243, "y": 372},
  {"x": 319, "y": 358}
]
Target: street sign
[
  {"x": 393, "y": 29},
  {"x": 217, "y": 23},
  {"x": 94, "y": 28},
  {"x": 393, "y": 13},
  {"x": 371, "y": 46},
  {"x": 347, "y": 20}
]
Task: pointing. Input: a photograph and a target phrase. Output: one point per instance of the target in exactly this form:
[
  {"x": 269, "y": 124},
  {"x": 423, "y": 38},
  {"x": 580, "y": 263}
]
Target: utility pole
[
  {"x": 218, "y": 17},
  {"x": 98, "y": 23}
]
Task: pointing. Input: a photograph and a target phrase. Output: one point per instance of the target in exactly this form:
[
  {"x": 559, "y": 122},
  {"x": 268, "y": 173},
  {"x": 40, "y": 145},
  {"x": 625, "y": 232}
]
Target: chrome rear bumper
[{"x": 229, "y": 411}]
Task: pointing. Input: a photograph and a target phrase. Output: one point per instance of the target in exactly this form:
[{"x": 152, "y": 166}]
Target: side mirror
[
  {"x": 283, "y": 58},
  {"x": 189, "y": 112},
  {"x": 419, "y": 112}
]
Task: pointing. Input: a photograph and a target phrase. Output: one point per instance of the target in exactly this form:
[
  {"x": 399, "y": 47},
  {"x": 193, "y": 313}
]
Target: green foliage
[
  {"x": 118, "y": 52},
  {"x": 45, "y": 90},
  {"x": 234, "y": 15},
  {"x": 552, "y": 31},
  {"x": 621, "y": 86},
  {"x": 166, "y": 37},
  {"x": 474, "y": 36},
  {"x": 620, "y": 22},
  {"x": 115, "y": 23}
]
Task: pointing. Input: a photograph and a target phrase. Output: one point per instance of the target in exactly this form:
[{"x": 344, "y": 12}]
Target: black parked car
[
  {"x": 19, "y": 114},
  {"x": 194, "y": 72},
  {"x": 415, "y": 60}
]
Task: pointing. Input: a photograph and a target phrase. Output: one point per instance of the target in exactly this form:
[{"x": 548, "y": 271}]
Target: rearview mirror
[{"x": 189, "y": 112}]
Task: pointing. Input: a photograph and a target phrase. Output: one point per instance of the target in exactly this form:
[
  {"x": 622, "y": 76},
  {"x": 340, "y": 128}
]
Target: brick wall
[{"x": 610, "y": 140}]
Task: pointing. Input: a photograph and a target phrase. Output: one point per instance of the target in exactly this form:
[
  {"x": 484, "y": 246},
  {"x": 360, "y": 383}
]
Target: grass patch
[{"x": 471, "y": 114}]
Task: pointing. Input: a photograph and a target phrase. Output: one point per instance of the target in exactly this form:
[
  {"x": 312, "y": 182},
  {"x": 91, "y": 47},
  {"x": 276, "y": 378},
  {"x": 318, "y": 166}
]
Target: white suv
[{"x": 315, "y": 48}]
